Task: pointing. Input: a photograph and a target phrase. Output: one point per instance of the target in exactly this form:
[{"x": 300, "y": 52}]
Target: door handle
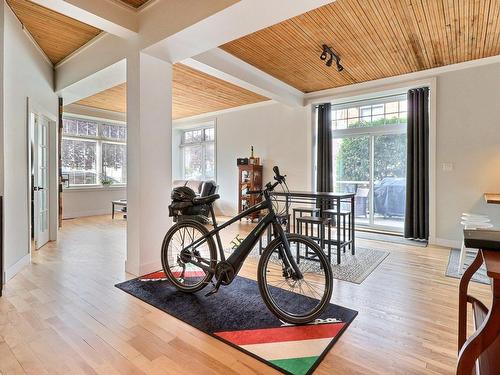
[{"x": 38, "y": 188}]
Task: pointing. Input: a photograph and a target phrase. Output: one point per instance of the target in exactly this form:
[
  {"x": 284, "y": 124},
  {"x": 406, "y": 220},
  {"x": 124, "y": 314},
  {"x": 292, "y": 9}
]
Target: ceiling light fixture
[{"x": 328, "y": 51}]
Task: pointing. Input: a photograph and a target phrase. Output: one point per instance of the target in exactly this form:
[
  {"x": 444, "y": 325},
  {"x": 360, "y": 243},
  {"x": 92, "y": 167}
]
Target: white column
[{"x": 149, "y": 160}]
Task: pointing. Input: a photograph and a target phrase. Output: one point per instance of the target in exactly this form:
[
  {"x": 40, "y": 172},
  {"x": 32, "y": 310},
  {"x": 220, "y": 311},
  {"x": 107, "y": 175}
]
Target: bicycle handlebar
[{"x": 277, "y": 176}]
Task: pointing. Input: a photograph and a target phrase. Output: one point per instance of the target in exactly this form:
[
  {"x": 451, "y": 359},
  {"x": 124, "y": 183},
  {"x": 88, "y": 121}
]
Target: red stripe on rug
[
  {"x": 281, "y": 334},
  {"x": 190, "y": 274},
  {"x": 161, "y": 275},
  {"x": 154, "y": 275}
]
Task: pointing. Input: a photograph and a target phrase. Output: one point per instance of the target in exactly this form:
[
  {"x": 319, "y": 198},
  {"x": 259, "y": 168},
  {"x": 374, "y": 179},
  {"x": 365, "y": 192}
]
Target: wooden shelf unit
[{"x": 249, "y": 178}]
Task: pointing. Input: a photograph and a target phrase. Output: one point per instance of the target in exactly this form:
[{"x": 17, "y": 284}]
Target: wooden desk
[
  {"x": 493, "y": 198},
  {"x": 482, "y": 349}
]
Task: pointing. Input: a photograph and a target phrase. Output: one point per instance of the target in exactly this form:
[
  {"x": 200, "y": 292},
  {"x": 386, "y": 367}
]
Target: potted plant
[{"x": 106, "y": 181}]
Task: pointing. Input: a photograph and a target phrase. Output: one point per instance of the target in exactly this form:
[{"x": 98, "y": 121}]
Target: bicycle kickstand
[{"x": 215, "y": 288}]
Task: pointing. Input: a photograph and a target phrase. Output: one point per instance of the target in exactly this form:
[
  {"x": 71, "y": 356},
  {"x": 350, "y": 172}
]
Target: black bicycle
[{"x": 289, "y": 262}]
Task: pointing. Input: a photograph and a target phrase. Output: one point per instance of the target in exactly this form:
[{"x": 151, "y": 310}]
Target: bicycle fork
[{"x": 288, "y": 259}]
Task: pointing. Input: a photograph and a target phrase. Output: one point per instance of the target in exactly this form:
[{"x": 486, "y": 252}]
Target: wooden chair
[{"x": 481, "y": 351}]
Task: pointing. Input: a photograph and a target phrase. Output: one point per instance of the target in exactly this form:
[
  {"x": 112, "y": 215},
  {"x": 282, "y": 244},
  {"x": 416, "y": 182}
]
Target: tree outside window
[{"x": 93, "y": 152}]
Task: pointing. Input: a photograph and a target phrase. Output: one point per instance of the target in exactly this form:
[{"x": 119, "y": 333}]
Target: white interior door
[{"x": 41, "y": 180}]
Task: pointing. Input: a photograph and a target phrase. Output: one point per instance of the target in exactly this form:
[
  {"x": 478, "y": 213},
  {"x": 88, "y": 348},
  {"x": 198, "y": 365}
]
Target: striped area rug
[
  {"x": 237, "y": 316},
  {"x": 294, "y": 349}
]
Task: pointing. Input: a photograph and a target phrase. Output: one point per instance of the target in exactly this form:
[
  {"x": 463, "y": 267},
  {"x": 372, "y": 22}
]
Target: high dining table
[{"x": 324, "y": 199}]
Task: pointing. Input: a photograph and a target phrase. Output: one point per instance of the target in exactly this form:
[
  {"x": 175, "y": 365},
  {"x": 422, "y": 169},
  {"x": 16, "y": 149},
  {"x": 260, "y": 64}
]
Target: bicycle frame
[{"x": 239, "y": 255}]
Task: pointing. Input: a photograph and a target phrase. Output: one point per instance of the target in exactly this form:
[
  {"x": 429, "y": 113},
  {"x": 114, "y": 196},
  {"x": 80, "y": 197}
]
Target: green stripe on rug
[{"x": 296, "y": 366}]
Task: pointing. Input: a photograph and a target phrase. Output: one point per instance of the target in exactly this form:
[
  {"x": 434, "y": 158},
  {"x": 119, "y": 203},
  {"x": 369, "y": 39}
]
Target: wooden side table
[
  {"x": 482, "y": 349},
  {"x": 121, "y": 202},
  {"x": 492, "y": 198}
]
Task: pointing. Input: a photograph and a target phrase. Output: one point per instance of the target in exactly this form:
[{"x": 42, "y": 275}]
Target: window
[
  {"x": 198, "y": 154},
  {"x": 376, "y": 112},
  {"x": 93, "y": 153},
  {"x": 369, "y": 158}
]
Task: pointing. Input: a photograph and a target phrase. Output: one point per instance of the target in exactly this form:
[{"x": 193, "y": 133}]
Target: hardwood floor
[{"x": 63, "y": 315}]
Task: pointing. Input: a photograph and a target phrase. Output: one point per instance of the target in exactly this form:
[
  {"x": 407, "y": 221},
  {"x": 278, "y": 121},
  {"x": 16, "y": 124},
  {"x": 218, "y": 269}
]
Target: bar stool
[
  {"x": 472, "y": 221},
  {"x": 344, "y": 216},
  {"x": 312, "y": 211},
  {"x": 320, "y": 223}
]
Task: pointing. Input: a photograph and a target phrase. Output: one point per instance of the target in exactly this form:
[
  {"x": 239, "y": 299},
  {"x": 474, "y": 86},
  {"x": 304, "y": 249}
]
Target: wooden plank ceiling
[
  {"x": 135, "y": 3},
  {"x": 194, "y": 93},
  {"x": 56, "y": 34},
  {"x": 375, "y": 39}
]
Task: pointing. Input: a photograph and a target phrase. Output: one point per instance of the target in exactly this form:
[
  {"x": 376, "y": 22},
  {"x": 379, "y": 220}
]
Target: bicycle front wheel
[{"x": 309, "y": 295}]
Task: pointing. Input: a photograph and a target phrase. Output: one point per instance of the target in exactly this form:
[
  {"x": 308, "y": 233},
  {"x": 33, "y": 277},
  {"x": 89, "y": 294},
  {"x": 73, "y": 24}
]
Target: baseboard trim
[
  {"x": 146, "y": 268},
  {"x": 143, "y": 269},
  {"x": 72, "y": 215},
  {"x": 17, "y": 267},
  {"x": 448, "y": 243}
]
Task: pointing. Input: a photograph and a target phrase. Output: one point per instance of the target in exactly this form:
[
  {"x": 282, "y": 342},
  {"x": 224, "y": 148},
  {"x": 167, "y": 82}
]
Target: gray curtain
[
  {"x": 324, "y": 172},
  {"x": 417, "y": 171}
]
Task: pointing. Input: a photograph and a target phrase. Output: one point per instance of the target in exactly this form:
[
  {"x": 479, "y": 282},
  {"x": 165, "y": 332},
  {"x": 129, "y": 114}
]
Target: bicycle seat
[{"x": 205, "y": 200}]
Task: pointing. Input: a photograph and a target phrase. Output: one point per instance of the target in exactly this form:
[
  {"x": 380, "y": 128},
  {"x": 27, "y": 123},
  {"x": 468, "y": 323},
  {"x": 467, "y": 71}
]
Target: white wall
[
  {"x": 280, "y": 135},
  {"x": 468, "y": 135},
  {"x": 91, "y": 201},
  {"x": 27, "y": 74}
]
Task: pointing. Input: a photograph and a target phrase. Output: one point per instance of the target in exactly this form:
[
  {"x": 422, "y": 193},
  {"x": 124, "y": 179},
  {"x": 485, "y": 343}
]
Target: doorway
[
  {"x": 369, "y": 158},
  {"x": 41, "y": 158}
]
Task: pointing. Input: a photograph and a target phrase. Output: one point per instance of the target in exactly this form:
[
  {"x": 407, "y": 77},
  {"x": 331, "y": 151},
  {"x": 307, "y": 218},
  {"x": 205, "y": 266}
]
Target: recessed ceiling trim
[
  {"x": 134, "y": 4},
  {"x": 56, "y": 34},
  {"x": 30, "y": 37},
  {"x": 214, "y": 114},
  {"x": 114, "y": 18},
  {"x": 193, "y": 93},
  {"x": 409, "y": 79},
  {"x": 87, "y": 45}
]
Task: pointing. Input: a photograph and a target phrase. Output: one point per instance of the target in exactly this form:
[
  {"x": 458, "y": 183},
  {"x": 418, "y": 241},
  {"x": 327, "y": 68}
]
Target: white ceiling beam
[
  {"x": 108, "y": 16},
  {"x": 160, "y": 19},
  {"x": 233, "y": 22},
  {"x": 183, "y": 33},
  {"x": 227, "y": 67},
  {"x": 103, "y": 52},
  {"x": 104, "y": 79}
]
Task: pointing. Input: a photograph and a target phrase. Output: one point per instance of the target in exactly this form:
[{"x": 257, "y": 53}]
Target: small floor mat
[
  {"x": 238, "y": 316},
  {"x": 352, "y": 268},
  {"x": 452, "y": 269}
]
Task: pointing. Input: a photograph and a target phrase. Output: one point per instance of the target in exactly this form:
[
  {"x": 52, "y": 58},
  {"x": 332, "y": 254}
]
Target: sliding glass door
[{"x": 369, "y": 158}]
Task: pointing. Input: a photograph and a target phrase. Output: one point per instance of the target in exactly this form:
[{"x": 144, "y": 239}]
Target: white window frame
[
  {"x": 99, "y": 140},
  {"x": 203, "y": 143}
]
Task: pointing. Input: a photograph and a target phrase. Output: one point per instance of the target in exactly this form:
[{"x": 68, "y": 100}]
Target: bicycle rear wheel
[
  {"x": 275, "y": 278},
  {"x": 177, "y": 257}
]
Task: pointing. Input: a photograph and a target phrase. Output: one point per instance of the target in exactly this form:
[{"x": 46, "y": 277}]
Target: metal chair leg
[
  {"x": 343, "y": 230},
  {"x": 321, "y": 228}
]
